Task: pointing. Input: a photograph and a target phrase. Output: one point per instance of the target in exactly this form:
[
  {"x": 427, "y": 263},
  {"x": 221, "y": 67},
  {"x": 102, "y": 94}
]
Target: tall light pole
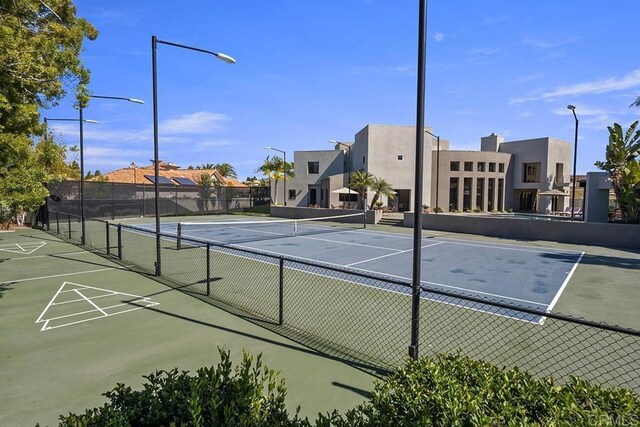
[
  {"x": 284, "y": 178},
  {"x": 81, "y": 108},
  {"x": 575, "y": 159},
  {"x": 437, "y": 167},
  {"x": 333, "y": 141},
  {"x": 417, "y": 207},
  {"x": 156, "y": 172},
  {"x": 46, "y": 134}
]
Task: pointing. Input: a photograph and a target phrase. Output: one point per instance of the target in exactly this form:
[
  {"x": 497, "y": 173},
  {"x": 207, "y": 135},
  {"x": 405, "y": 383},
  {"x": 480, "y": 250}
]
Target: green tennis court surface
[{"x": 74, "y": 324}]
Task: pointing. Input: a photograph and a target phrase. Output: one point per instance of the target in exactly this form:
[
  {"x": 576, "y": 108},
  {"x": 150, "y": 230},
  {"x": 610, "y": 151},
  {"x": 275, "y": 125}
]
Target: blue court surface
[{"x": 526, "y": 276}]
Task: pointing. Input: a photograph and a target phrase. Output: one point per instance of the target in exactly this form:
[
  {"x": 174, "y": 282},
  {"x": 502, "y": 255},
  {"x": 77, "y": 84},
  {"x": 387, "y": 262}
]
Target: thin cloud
[
  {"x": 549, "y": 44},
  {"x": 438, "y": 37},
  {"x": 495, "y": 20},
  {"x": 195, "y": 123},
  {"x": 528, "y": 78},
  {"x": 484, "y": 51}
]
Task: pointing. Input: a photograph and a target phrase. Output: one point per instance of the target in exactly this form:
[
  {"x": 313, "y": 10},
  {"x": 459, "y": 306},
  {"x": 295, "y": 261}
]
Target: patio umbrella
[{"x": 344, "y": 190}]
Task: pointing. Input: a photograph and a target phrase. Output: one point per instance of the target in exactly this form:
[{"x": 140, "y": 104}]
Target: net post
[
  {"x": 179, "y": 236},
  {"x": 208, "y": 269},
  {"x": 107, "y": 238},
  {"x": 57, "y": 223},
  {"x": 82, "y": 237},
  {"x": 119, "y": 241},
  {"x": 295, "y": 228},
  {"x": 69, "y": 225},
  {"x": 281, "y": 294}
]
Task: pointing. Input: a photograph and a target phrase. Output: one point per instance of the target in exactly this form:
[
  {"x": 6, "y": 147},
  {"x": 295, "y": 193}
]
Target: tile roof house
[{"x": 144, "y": 175}]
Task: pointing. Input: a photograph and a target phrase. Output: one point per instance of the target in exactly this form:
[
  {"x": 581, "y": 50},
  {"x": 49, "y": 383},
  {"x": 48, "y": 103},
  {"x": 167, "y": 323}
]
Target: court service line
[
  {"x": 124, "y": 267},
  {"x": 353, "y": 244},
  {"x": 90, "y": 302},
  {"x": 388, "y": 255},
  {"x": 564, "y": 284}
]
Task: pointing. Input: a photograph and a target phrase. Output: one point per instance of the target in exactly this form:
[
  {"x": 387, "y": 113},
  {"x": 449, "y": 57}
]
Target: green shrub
[
  {"x": 456, "y": 391},
  {"x": 249, "y": 395}
]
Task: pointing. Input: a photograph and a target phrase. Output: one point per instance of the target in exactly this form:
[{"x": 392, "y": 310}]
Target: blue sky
[{"x": 313, "y": 70}]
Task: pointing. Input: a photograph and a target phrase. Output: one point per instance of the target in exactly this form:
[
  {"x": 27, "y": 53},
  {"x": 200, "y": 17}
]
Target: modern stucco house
[{"x": 502, "y": 175}]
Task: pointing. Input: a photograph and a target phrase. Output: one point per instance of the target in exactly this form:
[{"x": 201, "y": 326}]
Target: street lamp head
[
  {"x": 571, "y": 107},
  {"x": 333, "y": 141},
  {"x": 90, "y": 121},
  {"x": 135, "y": 100},
  {"x": 225, "y": 58},
  {"x": 268, "y": 148}
]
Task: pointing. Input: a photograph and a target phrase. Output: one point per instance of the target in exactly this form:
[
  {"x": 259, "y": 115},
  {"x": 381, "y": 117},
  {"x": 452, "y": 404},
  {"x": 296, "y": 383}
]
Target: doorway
[
  {"x": 404, "y": 200},
  {"x": 313, "y": 195},
  {"x": 526, "y": 200}
]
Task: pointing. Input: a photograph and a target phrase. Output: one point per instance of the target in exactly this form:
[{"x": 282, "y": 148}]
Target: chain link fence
[
  {"x": 121, "y": 200},
  {"x": 366, "y": 318}
]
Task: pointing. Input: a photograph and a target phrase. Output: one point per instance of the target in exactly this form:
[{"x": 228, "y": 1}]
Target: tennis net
[{"x": 246, "y": 231}]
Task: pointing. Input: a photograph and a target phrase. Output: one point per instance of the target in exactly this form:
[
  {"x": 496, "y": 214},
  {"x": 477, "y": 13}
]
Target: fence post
[
  {"x": 176, "y": 199},
  {"x": 179, "y": 237},
  {"x": 69, "y": 224},
  {"x": 57, "y": 223},
  {"x": 120, "y": 241},
  {"x": 82, "y": 237},
  {"x": 144, "y": 199},
  {"x": 113, "y": 201},
  {"x": 281, "y": 294},
  {"x": 208, "y": 269},
  {"x": 107, "y": 238},
  {"x": 365, "y": 214}
]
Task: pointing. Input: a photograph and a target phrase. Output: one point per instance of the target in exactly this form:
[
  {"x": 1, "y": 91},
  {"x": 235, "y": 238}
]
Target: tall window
[
  {"x": 468, "y": 166},
  {"x": 531, "y": 172},
  {"x": 501, "y": 167},
  {"x": 559, "y": 173},
  {"x": 466, "y": 194},
  {"x": 480, "y": 167},
  {"x": 313, "y": 168},
  {"x": 500, "y": 191},
  {"x": 454, "y": 184},
  {"x": 455, "y": 166},
  {"x": 480, "y": 193},
  {"x": 292, "y": 194},
  {"x": 491, "y": 186},
  {"x": 492, "y": 167}
]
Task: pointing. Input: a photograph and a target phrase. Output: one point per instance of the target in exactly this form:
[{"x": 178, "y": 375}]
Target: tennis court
[{"x": 530, "y": 277}]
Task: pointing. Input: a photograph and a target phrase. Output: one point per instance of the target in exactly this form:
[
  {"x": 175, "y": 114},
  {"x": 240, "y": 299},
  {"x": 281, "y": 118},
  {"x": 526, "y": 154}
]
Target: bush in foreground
[{"x": 448, "y": 390}]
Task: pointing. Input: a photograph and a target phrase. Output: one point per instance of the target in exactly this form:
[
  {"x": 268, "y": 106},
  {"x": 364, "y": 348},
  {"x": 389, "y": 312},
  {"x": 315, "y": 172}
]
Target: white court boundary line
[
  {"x": 34, "y": 246},
  {"x": 564, "y": 285},
  {"x": 55, "y": 255},
  {"x": 104, "y": 314},
  {"x": 124, "y": 267},
  {"x": 388, "y": 255}
]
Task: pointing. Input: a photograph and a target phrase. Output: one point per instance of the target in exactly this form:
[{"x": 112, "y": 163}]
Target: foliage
[
  {"x": 226, "y": 170},
  {"x": 361, "y": 180},
  {"x": 622, "y": 165},
  {"x": 248, "y": 395},
  {"x": 635, "y": 103},
  {"x": 39, "y": 54},
  {"x": 381, "y": 187},
  {"x": 276, "y": 168},
  {"x": 451, "y": 390}
]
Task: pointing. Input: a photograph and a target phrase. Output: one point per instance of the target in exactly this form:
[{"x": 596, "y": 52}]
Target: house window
[
  {"x": 453, "y": 194},
  {"x": 468, "y": 166},
  {"x": 466, "y": 194},
  {"x": 292, "y": 194},
  {"x": 559, "y": 173},
  {"x": 480, "y": 193},
  {"x": 399, "y": 156},
  {"x": 363, "y": 160},
  {"x": 313, "y": 168},
  {"x": 455, "y": 166},
  {"x": 531, "y": 172},
  {"x": 501, "y": 167},
  {"x": 492, "y": 167},
  {"x": 347, "y": 197},
  {"x": 480, "y": 167}
]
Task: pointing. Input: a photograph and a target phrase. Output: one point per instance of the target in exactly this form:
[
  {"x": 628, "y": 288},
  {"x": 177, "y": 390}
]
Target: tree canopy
[{"x": 40, "y": 46}]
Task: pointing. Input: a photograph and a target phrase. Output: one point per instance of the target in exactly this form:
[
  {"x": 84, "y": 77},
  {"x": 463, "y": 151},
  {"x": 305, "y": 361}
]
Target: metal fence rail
[{"x": 365, "y": 318}]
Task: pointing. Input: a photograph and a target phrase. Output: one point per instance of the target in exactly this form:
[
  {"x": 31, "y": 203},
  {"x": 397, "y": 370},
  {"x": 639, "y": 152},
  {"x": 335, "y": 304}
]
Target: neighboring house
[
  {"x": 502, "y": 175},
  {"x": 170, "y": 174}
]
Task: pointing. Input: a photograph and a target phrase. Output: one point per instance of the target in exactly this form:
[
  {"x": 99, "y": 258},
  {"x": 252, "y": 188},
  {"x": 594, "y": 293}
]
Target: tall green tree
[
  {"x": 361, "y": 181},
  {"x": 226, "y": 170},
  {"x": 275, "y": 168},
  {"x": 40, "y": 46},
  {"x": 622, "y": 165},
  {"x": 381, "y": 187}
]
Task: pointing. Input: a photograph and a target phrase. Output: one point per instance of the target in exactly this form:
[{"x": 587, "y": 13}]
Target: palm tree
[
  {"x": 361, "y": 180},
  {"x": 636, "y": 103},
  {"x": 620, "y": 162},
  {"x": 275, "y": 168},
  {"x": 381, "y": 187},
  {"x": 226, "y": 170},
  {"x": 206, "y": 166}
]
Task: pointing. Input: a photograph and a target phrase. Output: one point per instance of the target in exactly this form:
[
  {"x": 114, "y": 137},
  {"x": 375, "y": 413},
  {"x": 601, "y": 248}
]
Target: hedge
[{"x": 447, "y": 390}]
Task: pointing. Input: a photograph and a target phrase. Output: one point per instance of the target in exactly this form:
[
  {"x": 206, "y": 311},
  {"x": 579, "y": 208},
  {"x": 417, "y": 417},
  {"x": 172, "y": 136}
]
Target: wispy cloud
[
  {"x": 549, "y": 44},
  {"x": 523, "y": 114},
  {"x": 495, "y": 20},
  {"x": 194, "y": 123},
  {"x": 483, "y": 51},
  {"x": 438, "y": 37},
  {"x": 610, "y": 84},
  {"x": 384, "y": 69},
  {"x": 528, "y": 78}
]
